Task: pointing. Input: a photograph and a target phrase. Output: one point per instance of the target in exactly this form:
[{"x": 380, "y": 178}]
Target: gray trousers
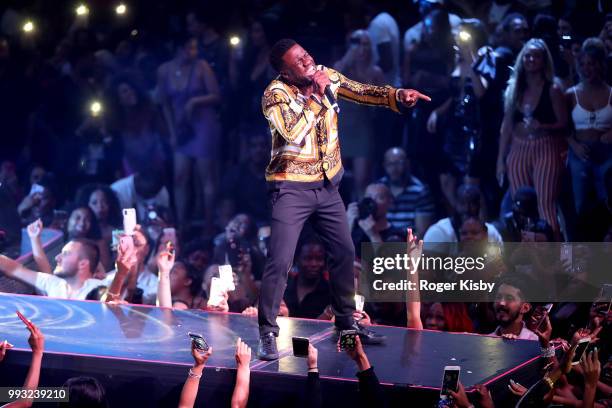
[{"x": 290, "y": 210}]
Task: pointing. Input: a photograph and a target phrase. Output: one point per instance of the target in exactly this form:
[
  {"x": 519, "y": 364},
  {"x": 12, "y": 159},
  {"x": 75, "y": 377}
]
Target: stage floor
[{"x": 148, "y": 334}]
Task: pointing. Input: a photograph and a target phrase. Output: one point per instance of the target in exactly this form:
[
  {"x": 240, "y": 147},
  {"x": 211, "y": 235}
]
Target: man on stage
[{"x": 303, "y": 175}]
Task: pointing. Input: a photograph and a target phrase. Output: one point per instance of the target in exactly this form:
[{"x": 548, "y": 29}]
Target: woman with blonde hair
[{"x": 532, "y": 143}]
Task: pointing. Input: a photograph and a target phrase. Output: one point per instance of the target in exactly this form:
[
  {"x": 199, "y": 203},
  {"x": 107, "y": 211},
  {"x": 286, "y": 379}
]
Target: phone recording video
[
  {"x": 450, "y": 381},
  {"x": 580, "y": 349},
  {"x": 348, "y": 339},
  {"x": 300, "y": 346},
  {"x": 199, "y": 341}
]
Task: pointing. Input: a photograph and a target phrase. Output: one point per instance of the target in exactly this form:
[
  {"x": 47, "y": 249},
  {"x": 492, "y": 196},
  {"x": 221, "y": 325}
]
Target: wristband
[
  {"x": 313, "y": 368},
  {"x": 547, "y": 352},
  {"x": 194, "y": 375}
]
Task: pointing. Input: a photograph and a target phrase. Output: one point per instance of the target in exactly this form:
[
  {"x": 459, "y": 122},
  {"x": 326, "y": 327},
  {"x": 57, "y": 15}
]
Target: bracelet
[
  {"x": 549, "y": 382},
  {"x": 313, "y": 368},
  {"x": 194, "y": 375},
  {"x": 547, "y": 352}
]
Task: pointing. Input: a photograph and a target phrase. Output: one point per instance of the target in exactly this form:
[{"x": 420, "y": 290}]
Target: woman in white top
[{"x": 590, "y": 102}]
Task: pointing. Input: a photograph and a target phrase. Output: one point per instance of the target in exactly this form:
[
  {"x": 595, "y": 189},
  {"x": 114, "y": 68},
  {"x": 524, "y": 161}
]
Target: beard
[
  {"x": 62, "y": 273},
  {"x": 511, "y": 317}
]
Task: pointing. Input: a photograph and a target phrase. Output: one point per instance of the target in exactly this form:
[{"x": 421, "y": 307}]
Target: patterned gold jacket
[{"x": 305, "y": 146}]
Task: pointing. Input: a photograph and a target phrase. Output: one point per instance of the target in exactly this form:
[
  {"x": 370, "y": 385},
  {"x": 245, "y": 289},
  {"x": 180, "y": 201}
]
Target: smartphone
[
  {"x": 300, "y": 346},
  {"x": 169, "y": 235},
  {"x": 129, "y": 221},
  {"x": 22, "y": 317},
  {"x": 450, "y": 381},
  {"x": 545, "y": 312},
  {"x": 359, "y": 302},
  {"x": 227, "y": 276},
  {"x": 217, "y": 287},
  {"x": 36, "y": 188},
  {"x": 580, "y": 349},
  {"x": 199, "y": 341},
  {"x": 348, "y": 339}
]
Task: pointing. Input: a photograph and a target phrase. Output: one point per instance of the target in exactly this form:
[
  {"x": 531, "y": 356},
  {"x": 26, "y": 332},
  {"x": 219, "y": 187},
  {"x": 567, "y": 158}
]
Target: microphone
[{"x": 330, "y": 97}]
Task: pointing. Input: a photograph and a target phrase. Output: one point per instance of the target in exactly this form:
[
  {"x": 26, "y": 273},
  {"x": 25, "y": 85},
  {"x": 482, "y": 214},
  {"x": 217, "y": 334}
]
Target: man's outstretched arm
[
  {"x": 373, "y": 95},
  {"x": 14, "y": 269}
]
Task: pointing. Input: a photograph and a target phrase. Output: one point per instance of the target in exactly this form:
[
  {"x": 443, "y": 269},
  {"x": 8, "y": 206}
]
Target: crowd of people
[{"x": 161, "y": 111}]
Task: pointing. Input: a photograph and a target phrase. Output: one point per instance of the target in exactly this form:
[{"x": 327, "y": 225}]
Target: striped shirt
[{"x": 414, "y": 199}]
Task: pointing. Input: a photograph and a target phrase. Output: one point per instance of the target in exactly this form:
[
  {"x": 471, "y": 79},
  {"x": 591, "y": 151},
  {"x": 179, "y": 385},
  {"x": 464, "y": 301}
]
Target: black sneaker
[
  {"x": 366, "y": 335},
  {"x": 267, "y": 347}
]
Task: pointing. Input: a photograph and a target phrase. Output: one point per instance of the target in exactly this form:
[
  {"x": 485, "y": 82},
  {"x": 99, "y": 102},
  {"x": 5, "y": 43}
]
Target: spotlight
[
  {"x": 28, "y": 26},
  {"x": 82, "y": 10},
  {"x": 95, "y": 108},
  {"x": 234, "y": 41},
  {"x": 121, "y": 9}
]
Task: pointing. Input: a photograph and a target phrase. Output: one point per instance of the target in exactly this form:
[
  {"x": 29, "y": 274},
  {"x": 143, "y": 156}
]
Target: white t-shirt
[
  {"x": 383, "y": 28},
  {"x": 126, "y": 193},
  {"x": 53, "y": 286},
  {"x": 443, "y": 232},
  {"x": 147, "y": 281},
  {"x": 413, "y": 34},
  {"x": 525, "y": 333}
]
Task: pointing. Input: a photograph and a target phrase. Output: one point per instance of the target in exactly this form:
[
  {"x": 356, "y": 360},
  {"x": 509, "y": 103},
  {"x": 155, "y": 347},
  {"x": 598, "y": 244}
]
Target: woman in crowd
[
  {"x": 137, "y": 123},
  {"x": 452, "y": 317},
  {"x": 83, "y": 223},
  {"x": 185, "y": 287},
  {"x": 250, "y": 74},
  {"x": 357, "y": 121},
  {"x": 532, "y": 146},
  {"x": 459, "y": 115},
  {"x": 590, "y": 102},
  {"x": 189, "y": 92},
  {"x": 427, "y": 66},
  {"x": 104, "y": 203}
]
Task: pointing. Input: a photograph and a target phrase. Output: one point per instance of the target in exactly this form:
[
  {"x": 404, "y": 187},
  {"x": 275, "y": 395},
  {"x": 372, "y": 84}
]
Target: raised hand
[
  {"x": 591, "y": 367},
  {"x": 516, "y": 388},
  {"x": 36, "y": 339},
  {"x": 199, "y": 356},
  {"x": 313, "y": 355},
  {"x": 460, "y": 397},
  {"x": 165, "y": 261},
  {"x": 35, "y": 229},
  {"x": 4, "y": 347},
  {"x": 243, "y": 354}
]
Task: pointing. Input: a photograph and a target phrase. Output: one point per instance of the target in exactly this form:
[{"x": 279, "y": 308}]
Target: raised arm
[
  {"x": 165, "y": 262},
  {"x": 240, "y": 396},
  {"x": 190, "y": 388},
  {"x": 413, "y": 299},
  {"x": 40, "y": 257},
  {"x": 37, "y": 344},
  {"x": 15, "y": 270},
  {"x": 290, "y": 118}
]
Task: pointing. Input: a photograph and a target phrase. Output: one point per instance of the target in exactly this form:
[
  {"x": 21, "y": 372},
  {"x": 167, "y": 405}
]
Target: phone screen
[
  {"x": 199, "y": 341},
  {"x": 450, "y": 381},
  {"x": 300, "y": 346},
  {"x": 582, "y": 346},
  {"x": 348, "y": 339}
]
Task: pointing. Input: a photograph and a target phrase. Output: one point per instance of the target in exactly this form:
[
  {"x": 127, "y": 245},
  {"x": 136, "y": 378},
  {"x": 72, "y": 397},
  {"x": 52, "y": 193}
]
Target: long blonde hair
[{"x": 517, "y": 82}]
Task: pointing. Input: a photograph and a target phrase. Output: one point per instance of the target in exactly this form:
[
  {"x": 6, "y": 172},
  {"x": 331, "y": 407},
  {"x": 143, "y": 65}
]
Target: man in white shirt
[
  {"x": 446, "y": 230},
  {"x": 72, "y": 276},
  {"x": 510, "y": 309},
  {"x": 140, "y": 191}
]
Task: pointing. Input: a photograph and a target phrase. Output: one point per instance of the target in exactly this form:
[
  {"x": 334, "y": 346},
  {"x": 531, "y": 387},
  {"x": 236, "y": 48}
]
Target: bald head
[{"x": 396, "y": 164}]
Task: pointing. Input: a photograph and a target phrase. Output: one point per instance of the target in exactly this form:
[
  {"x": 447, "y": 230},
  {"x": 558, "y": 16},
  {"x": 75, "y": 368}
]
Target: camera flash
[
  {"x": 464, "y": 36},
  {"x": 28, "y": 26},
  {"x": 121, "y": 9},
  {"x": 234, "y": 40},
  {"x": 82, "y": 10},
  {"x": 95, "y": 108}
]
